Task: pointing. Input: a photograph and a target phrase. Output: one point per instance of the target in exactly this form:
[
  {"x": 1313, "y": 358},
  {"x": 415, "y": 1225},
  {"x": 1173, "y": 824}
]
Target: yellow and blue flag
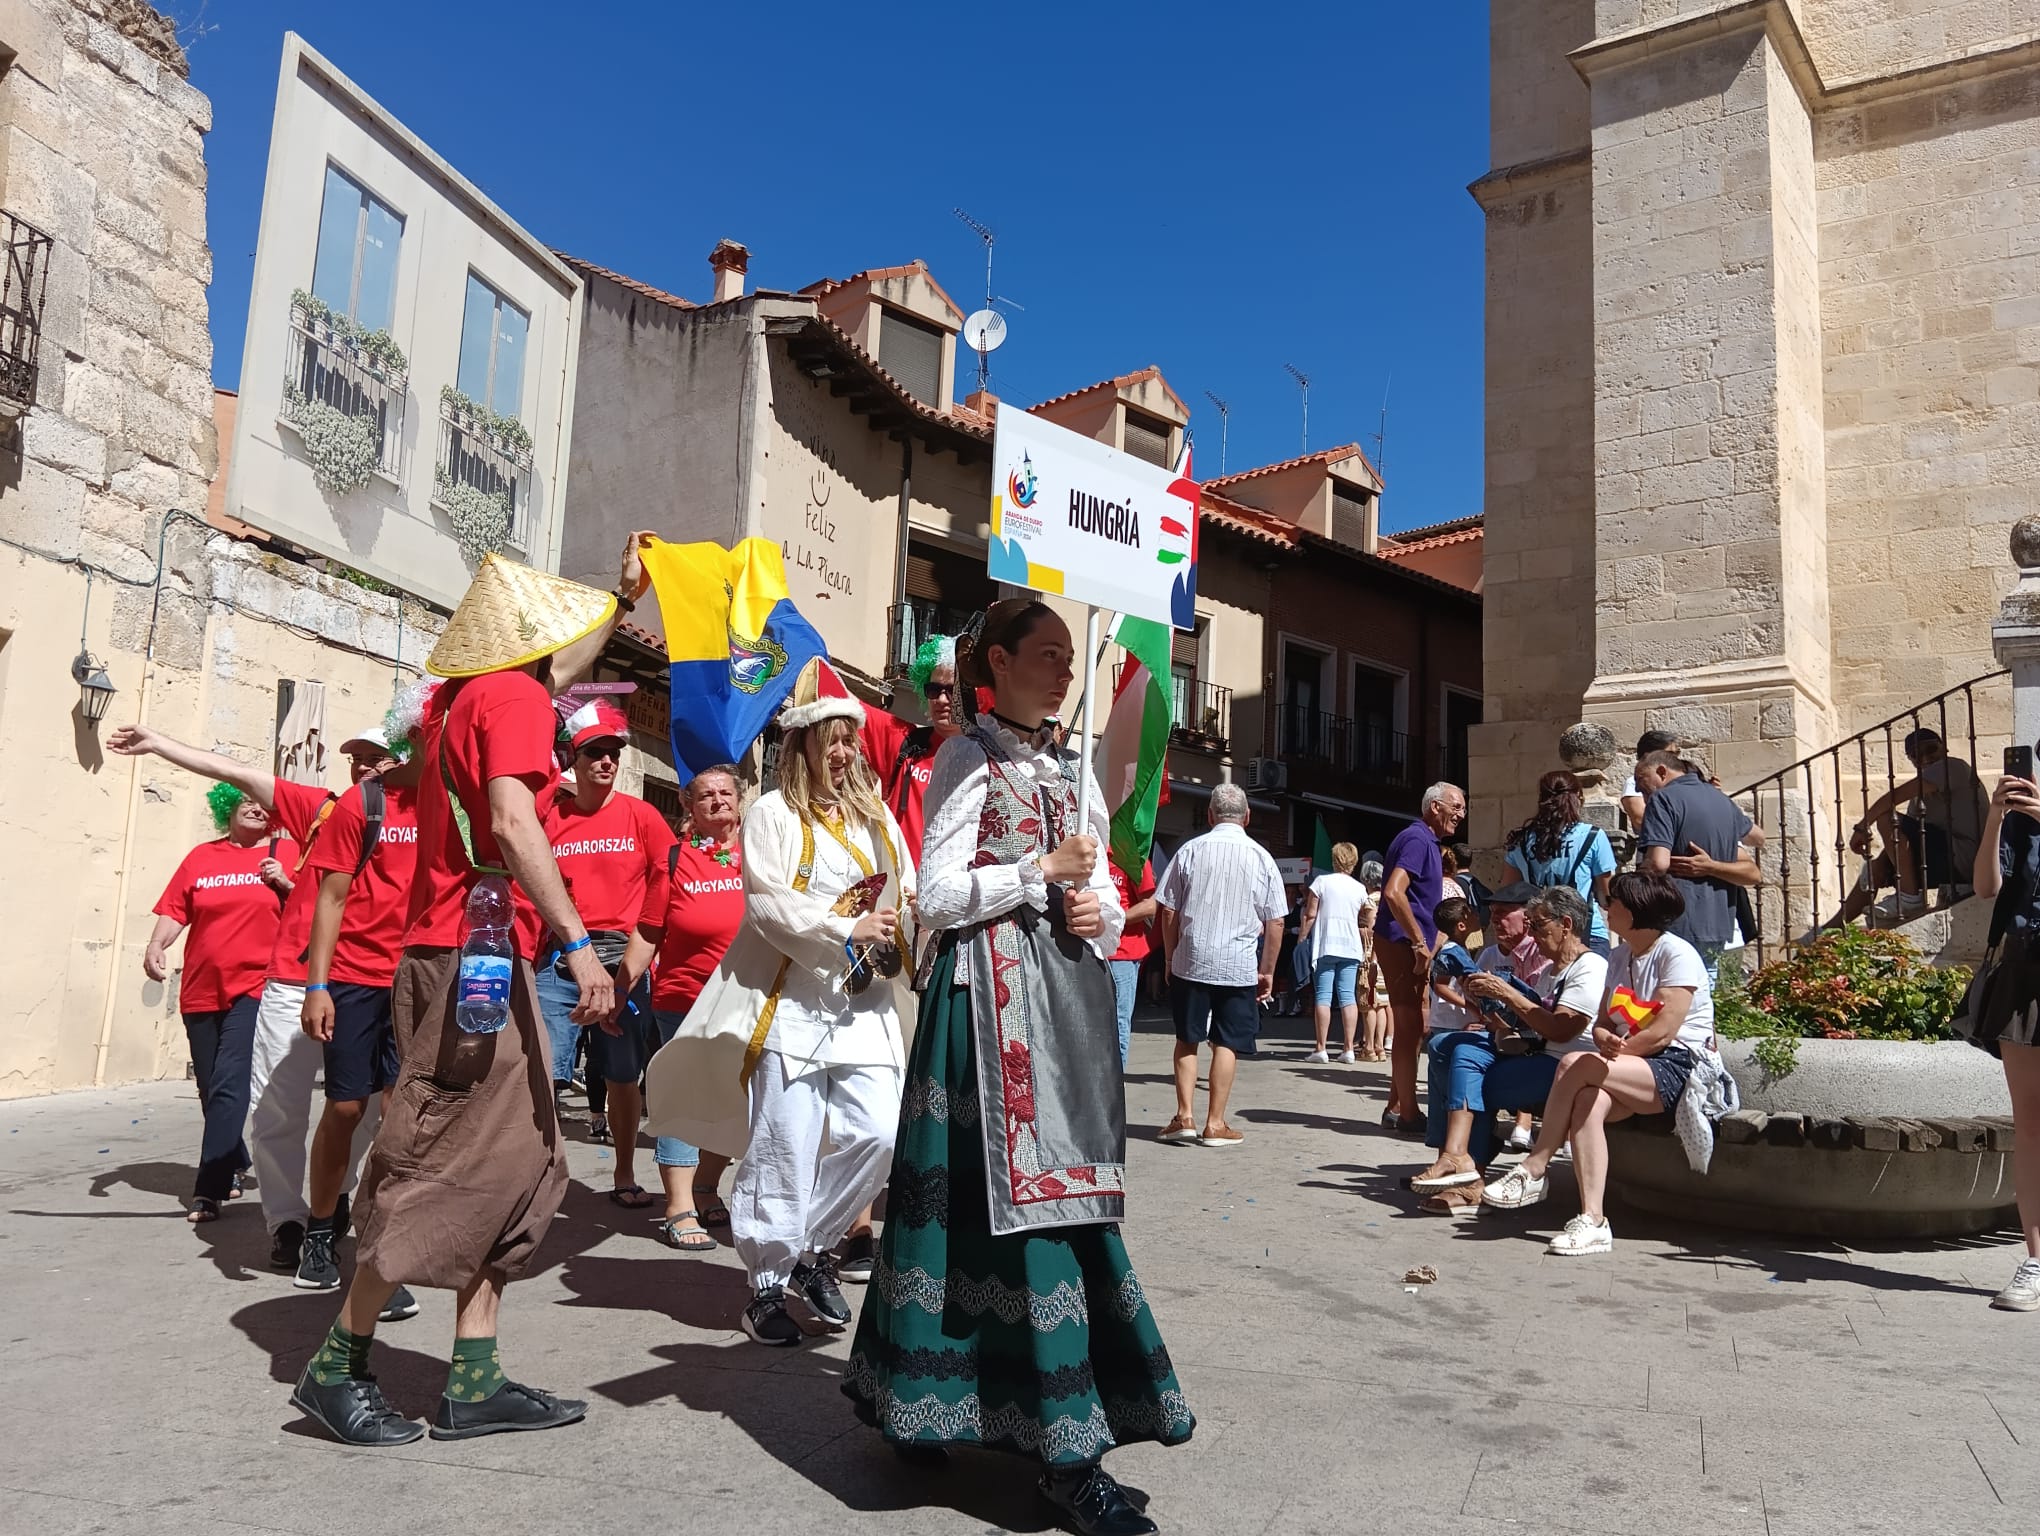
[{"x": 734, "y": 642}]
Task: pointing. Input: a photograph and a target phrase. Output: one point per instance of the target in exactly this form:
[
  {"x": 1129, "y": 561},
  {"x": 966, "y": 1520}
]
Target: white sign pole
[{"x": 1086, "y": 733}]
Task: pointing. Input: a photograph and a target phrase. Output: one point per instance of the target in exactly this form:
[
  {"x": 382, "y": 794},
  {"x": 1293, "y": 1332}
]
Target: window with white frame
[
  {"x": 354, "y": 272},
  {"x": 493, "y": 333}
]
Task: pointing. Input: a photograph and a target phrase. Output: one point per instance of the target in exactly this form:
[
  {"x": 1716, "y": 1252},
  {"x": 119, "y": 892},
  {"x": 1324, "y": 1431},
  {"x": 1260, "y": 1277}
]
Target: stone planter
[{"x": 1865, "y": 1138}]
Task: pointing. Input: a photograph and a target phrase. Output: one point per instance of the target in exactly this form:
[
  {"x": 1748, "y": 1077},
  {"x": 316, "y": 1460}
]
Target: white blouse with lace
[{"x": 953, "y": 894}]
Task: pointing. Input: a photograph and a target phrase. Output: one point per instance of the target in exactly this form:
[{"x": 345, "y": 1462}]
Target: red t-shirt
[
  {"x": 297, "y": 812},
  {"x": 903, "y": 779},
  {"x": 498, "y": 726},
  {"x": 219, "y": 894},
  {"x": 378, "y": 902},
  {"x": 613, "y": 859},
  {"x": 1133, "y": 939},
  {"x": 704, "y": 913}
]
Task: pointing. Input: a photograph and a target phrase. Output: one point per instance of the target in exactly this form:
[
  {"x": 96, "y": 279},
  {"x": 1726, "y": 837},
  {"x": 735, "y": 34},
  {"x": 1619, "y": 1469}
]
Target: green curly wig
[
  {"x": 222, "y": 800},
  {"x": 936, "y": 651}
]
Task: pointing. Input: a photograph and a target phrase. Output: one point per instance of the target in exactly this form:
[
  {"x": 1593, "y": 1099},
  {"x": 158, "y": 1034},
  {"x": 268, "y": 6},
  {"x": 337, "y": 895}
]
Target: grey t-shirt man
[{"x": 1686, "y": 811}]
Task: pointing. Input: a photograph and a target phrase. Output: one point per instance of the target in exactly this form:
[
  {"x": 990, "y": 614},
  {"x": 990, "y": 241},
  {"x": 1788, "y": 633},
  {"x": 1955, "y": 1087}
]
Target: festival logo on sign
[
  {"x": 754, "y": 660},
  {"x": 1020, "y": 485}
]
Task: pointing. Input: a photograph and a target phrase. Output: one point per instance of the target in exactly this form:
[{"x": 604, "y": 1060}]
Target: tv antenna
[
  {"x": 1381, "y": 437},
  {"x": 1302, "y": 383},
  {"x": 985, "y": 329},
  {"x": 1224, "y": 421}
]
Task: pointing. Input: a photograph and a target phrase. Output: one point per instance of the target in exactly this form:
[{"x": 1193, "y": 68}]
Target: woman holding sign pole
[{"x": 1004, "y": 1311}]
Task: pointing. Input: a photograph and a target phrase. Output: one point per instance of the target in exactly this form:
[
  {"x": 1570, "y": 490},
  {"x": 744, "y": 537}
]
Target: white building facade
[{"x": 408, "y": 376}]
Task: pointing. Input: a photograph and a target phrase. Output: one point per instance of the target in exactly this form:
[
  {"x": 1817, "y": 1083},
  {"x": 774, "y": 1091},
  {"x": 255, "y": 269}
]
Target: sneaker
[
  {"x": 1318, "y": 1056},
  {"x": 2022, "y": 1292},
  {"x": 317, "y": 1269},
  {"x": 1180, "y": 1130},
  {"x": 285, "y": 1245},
  {"x": 512, "y": 1406},
  {"x": 353, "y": 1411},
  {"x": 1514, "y": 1190},
  {"x": 1583, "y": 1235},
  {"x": 816, "y": 1285},
  {"x": 1348, "y": 1057},
  {"x": 598, "y": 1129},
  {"x": 859, "y": 1255},
  {"x": 402, "y": 1304},
  {"x": 1446, "y": 1173},
  {"x": 1519, "y": 1140},
  {"x": 1223, "y": 1136},
  {"x": 767, "y": 1321}
]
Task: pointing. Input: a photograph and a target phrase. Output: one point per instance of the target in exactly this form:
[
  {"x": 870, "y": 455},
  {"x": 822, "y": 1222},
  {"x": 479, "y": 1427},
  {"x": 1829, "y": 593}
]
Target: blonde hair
[
  {"x": 859, "y": 798},
  {"x": 1344, "y": 857}
]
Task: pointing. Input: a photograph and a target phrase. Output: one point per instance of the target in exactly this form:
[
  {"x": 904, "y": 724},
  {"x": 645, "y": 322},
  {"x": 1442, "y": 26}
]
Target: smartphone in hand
[{"x": 2019, "y": 762}]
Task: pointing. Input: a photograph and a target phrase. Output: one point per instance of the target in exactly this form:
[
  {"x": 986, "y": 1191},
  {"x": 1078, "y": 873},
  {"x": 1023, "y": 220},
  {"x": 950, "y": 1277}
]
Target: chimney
[{"x": 729, "y": 261}]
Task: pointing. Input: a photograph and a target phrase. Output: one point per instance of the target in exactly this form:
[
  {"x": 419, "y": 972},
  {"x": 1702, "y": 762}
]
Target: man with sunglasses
[
  {"x": 902, "y": 756},
  {"x": 613, "y": 850}
]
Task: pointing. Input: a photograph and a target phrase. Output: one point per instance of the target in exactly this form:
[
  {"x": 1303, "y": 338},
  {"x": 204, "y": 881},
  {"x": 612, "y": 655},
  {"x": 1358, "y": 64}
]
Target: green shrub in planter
[{"x": 1849, "y": 984}]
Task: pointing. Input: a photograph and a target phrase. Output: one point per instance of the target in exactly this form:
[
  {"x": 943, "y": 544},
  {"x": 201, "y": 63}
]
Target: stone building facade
[
  {"x": 104, "y": 480},
  {"x": 1763, "y": 390}
]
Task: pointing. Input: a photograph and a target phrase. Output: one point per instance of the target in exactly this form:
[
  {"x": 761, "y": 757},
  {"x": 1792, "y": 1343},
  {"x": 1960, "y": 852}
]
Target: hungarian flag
[{"x": 1133, "y": 749}]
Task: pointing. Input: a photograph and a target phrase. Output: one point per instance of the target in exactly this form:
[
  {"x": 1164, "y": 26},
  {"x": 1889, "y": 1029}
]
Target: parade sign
[{"x": 1074, "y": 517}]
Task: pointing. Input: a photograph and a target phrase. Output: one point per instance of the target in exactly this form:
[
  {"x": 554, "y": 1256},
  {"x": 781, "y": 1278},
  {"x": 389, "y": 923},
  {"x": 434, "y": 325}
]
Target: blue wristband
[
  {"x": 316, "y": 986},
  {"x": 581, "y": 943}
]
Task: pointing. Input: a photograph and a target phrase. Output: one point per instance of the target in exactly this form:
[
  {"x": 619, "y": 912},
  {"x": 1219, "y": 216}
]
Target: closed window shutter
[
  {"x": 1349, "y": 516},
  {"x": 1148, "y": 439},
  {"x": 1183, "y": 649},
  {"x": 921, "y": 579},
  {"x": 911, "y": 352}
]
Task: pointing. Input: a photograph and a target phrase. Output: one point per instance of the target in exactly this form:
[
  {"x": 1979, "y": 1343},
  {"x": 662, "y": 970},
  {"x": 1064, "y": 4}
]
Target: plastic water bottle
[{"x": 483, "y": 995}]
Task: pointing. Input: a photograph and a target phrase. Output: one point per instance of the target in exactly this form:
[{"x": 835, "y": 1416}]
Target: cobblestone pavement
[{"x": 1698, "y": 1379}]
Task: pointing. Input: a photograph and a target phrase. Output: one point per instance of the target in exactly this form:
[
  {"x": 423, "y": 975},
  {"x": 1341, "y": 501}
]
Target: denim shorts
[
  {"x": 1670, "y": 1069},
  {"x": 1337, "y": 980}
]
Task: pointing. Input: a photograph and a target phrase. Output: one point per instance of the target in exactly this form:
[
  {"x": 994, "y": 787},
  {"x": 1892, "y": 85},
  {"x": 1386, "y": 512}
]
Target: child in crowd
[{"x": 1451, "y": 965}]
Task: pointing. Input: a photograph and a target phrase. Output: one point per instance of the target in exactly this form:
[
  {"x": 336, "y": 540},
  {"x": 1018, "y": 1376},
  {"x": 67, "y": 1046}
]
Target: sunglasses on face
[
  {"x": 941, "y": 691},
  {"x": 596, "y": 751}
]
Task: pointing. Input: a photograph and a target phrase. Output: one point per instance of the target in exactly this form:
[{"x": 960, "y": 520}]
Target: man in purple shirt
[{"x": 1406, "y": 937}]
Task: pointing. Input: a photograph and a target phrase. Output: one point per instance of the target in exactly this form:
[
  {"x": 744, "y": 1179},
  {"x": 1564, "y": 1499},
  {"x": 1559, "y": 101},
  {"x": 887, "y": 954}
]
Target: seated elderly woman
[
  {"x": 1512, "y": 1063},
  {"x": 1658, "y": 1016}
]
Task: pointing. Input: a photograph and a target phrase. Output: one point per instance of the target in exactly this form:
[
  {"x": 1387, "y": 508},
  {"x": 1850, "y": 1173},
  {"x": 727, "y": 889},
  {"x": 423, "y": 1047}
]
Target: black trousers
[{"x": 222, "y": 1054}]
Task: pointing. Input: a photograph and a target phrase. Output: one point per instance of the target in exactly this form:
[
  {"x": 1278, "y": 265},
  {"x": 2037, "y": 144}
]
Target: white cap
[{"x": 374, "y": 739}]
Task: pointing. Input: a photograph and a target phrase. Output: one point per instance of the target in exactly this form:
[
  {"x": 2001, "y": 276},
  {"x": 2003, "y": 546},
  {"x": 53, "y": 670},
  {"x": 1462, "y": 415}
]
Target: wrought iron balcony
[
  {"x": 912, "y": 622},
  {"x": 1200, "y": 714},
  {"x": 325, "y": 368},
  {"x": 487, "y": 454},
  {"x": 22, "y": 285},
  {"x": 1362, "y": 749}
]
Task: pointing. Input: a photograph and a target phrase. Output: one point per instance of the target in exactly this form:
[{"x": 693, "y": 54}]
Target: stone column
[
  {"x": 2015, "y": 633},
  {"x": 1709, "y": 488}
]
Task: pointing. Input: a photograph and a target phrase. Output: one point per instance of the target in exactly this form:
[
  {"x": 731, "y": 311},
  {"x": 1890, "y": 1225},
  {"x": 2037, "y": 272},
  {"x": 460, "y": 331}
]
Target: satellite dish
[{"x": 985, "y": 331}]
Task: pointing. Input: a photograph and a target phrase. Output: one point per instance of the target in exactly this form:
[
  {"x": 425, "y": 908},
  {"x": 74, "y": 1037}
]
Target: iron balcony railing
[
  {"x": 472, "y": 452},
  {"x": 913, "y": 621},
  {"x": 1364, "y": 749},
  {"x": 1200, "y": 713},
  {"x": 22, "y": 285},
  {"x": 324, "y": 368},
  {"x": 1809, "y": 813}
]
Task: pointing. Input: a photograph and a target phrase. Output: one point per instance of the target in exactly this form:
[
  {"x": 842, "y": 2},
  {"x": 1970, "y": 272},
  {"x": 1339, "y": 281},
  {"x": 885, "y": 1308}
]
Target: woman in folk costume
[
  {"x": 795, "y": 1041},
  {"x": 1004, "y": 1311}
]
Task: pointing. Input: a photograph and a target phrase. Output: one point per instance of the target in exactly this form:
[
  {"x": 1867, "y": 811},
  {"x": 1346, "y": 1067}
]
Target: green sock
[
  {"x": 343, "y": 1355},
  {"x": 477, "y": 1374}
]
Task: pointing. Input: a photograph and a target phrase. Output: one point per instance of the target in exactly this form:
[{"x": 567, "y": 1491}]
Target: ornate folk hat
[
  {"x": 818, "y": 695},
  {"x": 513, "y": 615}
]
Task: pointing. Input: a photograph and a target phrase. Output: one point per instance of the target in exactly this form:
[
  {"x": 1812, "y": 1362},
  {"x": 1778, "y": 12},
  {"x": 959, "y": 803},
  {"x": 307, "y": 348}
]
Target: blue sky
[{"x": 1218, "y": 189}]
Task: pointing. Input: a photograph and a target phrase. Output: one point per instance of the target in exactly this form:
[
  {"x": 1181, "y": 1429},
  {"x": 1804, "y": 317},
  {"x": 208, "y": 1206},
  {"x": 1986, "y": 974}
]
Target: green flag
[
  {"x": 1321, "y": 850},
  {"x": 1133, "y": 750}
]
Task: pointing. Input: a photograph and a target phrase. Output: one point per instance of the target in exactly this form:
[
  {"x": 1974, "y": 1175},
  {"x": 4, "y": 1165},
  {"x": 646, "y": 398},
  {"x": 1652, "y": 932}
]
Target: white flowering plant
[
  {"x": 343, "y": 449},
  {"x": 481, "y": 519}
]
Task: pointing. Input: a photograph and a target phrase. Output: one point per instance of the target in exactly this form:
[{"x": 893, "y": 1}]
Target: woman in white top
[
  {"x": 1338, "y": 911},
  {"x": 1658, "y": 1015}
]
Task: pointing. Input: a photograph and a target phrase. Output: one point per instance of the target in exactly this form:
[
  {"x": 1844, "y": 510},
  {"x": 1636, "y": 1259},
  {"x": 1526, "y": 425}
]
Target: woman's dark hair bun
[{"x": 1005, "y": 624}]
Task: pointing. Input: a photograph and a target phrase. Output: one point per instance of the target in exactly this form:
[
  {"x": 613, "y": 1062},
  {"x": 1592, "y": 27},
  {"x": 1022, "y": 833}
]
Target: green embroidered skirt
[{"x": 1038, "y": 1343}]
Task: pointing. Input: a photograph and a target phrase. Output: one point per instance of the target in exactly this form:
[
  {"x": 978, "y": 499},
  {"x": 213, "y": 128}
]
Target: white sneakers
[
  {"x": 2022, "y": 1292},
  {"x": 1514, "y": 1190},
  {"x": 1519, "y": 1140},
  {"x": 1348, "y": 1057},
  {"x": 1318, "y": 1056},
  {"x": 1584, "y": 1235}
]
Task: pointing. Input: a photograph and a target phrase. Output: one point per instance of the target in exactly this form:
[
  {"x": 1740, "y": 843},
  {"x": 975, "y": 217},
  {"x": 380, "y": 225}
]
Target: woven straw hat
[{"x": 513, "y": 615}]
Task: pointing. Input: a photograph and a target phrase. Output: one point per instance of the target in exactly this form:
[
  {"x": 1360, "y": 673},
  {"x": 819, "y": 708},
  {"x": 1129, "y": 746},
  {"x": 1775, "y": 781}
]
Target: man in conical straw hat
[
  {"x": 788, "y": 1047},
  {"x": 467, "y": 1169}
]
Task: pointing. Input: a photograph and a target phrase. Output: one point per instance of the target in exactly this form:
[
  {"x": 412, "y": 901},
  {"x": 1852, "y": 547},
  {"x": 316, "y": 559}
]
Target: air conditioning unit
[{"x": 1267, "y": 773}]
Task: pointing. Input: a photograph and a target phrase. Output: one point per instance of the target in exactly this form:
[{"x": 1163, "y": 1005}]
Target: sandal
[
  {"x": 598, "y": 1129},
  {"x": 621, "y": 1195},
  {"x": 238, "y": 1190},
  {"x": 203, "y": 1209},
  {"x": 675, "y": 1234},
  {"x": 711, "y": 1210}
]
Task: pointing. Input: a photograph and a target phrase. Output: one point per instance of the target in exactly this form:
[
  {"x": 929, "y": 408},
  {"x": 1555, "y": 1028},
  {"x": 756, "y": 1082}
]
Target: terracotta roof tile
[
  {"x": 959, "y": 419},
  {"x": 1251, "y": 521},
  {"x": 1124, "y": 381},
  {"x": 828, "y": 285},
  {"x": 1437, "y": 530},
  {"x": 1322, "y": 456},
  {"x": 1393, "y": 549},
  {"x": 589, "y": 269}
]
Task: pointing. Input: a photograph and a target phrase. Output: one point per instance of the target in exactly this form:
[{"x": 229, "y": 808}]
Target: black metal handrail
[
  {"x": 322, "y": 368},
  {"x": 23, "y": 281},
  {"x": 1817, "y": 785},
  {"x": 1200, "y": 713},
  {"x": 913, "y": 621},
  {"x": 471, "y": 454},
  {"x": 1365, "y": 749}
]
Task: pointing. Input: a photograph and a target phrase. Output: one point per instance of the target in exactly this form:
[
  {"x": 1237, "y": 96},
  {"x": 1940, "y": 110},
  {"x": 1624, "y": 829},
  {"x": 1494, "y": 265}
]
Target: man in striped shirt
[{"x": 1221, "y": 907}]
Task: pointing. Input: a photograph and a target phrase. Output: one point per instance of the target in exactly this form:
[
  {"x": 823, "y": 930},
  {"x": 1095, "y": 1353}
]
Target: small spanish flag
[{"x": 1631, "y": 1012}]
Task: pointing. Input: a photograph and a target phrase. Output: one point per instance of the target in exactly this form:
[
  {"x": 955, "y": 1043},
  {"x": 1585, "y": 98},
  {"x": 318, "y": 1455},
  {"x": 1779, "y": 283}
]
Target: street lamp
[{"x": 95, "y": 688}]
